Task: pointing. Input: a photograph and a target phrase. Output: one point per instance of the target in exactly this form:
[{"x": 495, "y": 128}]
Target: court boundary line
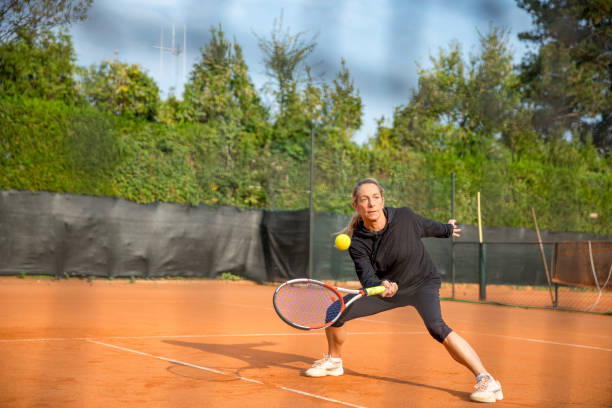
[
  {"x": 185, "y": 336},
  {"x": 215, "y": 371},
  {"x": 527, "y": 339},
  {"x": 557, "y": 343}
]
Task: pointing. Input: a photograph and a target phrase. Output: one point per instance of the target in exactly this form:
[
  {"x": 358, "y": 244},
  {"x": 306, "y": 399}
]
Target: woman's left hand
[
  {"x": 456, "y": 230},
  {"x": 391, "y": 288}
]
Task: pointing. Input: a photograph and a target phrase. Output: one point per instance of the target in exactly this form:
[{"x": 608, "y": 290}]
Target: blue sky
[{"x": 381, "y": 40}]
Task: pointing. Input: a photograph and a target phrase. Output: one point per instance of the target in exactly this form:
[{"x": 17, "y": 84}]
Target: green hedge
[
  {"x": 48, "y": 145},
  {"x": 51, "y": 146}
]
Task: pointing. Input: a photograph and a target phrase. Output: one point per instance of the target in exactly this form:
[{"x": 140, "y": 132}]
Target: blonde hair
[{"x": 356, "y": 218}]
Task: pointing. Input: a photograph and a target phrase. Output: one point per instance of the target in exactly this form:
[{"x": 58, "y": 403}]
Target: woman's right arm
[{"x": 363, "y": 266}]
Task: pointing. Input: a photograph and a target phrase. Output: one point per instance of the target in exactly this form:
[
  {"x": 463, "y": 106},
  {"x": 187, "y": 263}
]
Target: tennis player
[{"x": 386, "y": 247}]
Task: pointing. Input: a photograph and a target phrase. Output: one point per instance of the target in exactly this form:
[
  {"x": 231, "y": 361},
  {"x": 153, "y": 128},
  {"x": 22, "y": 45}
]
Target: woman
[{"x": 386, "y": 248}]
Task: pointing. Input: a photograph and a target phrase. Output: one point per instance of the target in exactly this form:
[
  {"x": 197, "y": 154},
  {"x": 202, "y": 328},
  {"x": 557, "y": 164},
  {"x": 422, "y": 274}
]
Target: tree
[
  {"x": 219, "y": 87},
  {"x": 284, "y": 58},
  {"x": 221, "y": 98},
  {"x": 344, "y": 107},
  {"x": 568, "y": 79},
  {"x": 459, "y": 119},
  {"x": 468, "y": 105},
  {"x": 38, "y": 16},
  {"x": 121, "y": 88},
  {"x": 39, "y": 66}
]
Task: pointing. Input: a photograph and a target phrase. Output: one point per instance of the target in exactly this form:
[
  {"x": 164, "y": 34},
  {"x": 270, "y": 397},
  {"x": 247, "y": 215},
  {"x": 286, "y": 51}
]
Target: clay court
[{"x": 204, "y": 343}]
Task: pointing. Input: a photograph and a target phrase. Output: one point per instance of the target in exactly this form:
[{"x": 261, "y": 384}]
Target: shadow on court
[{"x": 256, "y": 358}]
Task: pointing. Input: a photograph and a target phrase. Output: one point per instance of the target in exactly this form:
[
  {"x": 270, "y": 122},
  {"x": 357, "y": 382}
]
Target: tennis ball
[{"x": 343, "y": 241}]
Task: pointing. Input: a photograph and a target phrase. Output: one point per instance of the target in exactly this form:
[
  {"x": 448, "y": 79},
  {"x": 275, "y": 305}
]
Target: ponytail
[{"x": 352, "y": 224}]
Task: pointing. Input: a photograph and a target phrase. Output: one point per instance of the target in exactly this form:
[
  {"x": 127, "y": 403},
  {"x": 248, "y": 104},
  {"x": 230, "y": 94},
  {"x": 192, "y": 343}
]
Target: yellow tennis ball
[{"x": 343, "y": 241}]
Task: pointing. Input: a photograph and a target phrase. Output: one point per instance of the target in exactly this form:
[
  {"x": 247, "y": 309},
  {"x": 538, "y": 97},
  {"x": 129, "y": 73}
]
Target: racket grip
[{"x": 374, "y": 290}]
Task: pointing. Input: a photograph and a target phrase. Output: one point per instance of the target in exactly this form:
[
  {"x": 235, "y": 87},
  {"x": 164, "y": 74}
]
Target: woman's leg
[
  {"x": 331, "y": 364},
  {"x": 427, "y": 303},
  {"x": 463, "y": 353},
  {"x": 487, "y": 389},
  {"x": 336, "y": 337}
]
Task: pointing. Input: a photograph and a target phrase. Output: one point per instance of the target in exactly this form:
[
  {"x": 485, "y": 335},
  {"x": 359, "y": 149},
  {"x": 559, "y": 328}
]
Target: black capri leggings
[{"x": 426, "y": 300}]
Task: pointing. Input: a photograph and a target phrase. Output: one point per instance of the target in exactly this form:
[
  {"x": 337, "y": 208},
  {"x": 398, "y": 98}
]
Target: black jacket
[{"x": 396, "y": 253}]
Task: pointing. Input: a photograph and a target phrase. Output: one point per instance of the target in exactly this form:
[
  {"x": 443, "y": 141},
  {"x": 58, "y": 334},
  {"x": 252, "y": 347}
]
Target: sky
[{"x": 381, "y": 40}]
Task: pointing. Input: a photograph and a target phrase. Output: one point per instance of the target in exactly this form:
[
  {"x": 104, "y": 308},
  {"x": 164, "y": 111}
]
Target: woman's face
[{"x": 369, "y": 203}]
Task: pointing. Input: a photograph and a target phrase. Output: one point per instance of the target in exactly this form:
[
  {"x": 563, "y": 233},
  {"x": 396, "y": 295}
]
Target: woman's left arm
[{"x": 437, "y": 229}]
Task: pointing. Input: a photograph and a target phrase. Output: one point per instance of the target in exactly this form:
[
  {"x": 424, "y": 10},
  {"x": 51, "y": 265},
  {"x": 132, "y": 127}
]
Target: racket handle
[{"x": 375, "y": 290}]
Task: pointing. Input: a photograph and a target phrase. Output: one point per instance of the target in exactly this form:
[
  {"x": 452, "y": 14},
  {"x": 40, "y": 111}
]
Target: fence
[
  {"x": 66, "y": 235},
  {"x": 515, "y": 274}
]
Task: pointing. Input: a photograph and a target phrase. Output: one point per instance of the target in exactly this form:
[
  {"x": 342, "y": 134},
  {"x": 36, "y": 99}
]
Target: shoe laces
[
  {"x": 321, "y": 361},
  {"x": 483, "y": 384}
]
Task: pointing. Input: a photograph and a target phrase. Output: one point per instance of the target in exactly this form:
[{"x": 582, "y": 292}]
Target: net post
[
  {"x": 311, "y": 213},
  {"x": 482, "y": 265},
  {"x": 482, "y": 285}
]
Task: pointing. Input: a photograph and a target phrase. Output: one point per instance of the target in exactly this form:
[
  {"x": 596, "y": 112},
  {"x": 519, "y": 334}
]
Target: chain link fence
[{"x": 514, "y": 266}]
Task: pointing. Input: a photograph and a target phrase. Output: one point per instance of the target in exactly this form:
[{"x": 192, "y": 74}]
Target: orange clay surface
[{"x": 198, "y": 343}]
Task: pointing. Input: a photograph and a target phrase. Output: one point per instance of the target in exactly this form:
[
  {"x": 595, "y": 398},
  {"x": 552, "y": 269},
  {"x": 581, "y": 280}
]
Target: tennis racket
[{"x": 308, "y": 304}]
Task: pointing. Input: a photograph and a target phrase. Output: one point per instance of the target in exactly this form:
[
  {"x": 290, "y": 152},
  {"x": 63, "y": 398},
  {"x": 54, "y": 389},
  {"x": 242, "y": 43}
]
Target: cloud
[{"x": 380, "y": 41}]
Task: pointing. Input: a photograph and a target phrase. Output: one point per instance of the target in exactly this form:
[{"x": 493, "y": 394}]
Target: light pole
[{"x": 311, "y": 229}]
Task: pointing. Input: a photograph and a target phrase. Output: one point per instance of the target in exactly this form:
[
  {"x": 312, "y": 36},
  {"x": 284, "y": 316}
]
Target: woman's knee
[{"x": 438, "y": 329}]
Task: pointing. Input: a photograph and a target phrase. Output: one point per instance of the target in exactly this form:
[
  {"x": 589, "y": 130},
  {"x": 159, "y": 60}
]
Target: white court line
[
  {"x": 583, "y": 334},
  {"x": 508, "y": 337},
  {"x": 386, "y": 322},
  {"x": 454, "y": 320},
  {"x": 541, "y": 341},
  {"x": 317, "y": 333},
  {"x": 186, "y": 336},
  {"x": 242, "y": 305},
  {"x": 212, "y": 370}
]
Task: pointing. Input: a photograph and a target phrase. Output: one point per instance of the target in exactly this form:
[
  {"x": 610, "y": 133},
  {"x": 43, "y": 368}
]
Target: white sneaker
[
  {"x": 487, "y": 390},
  {"x": 325, "y": 366}
]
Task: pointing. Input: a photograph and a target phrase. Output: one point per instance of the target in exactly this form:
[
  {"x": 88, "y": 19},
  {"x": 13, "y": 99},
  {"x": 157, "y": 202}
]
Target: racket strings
[{"x": 308, "y": 305}]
